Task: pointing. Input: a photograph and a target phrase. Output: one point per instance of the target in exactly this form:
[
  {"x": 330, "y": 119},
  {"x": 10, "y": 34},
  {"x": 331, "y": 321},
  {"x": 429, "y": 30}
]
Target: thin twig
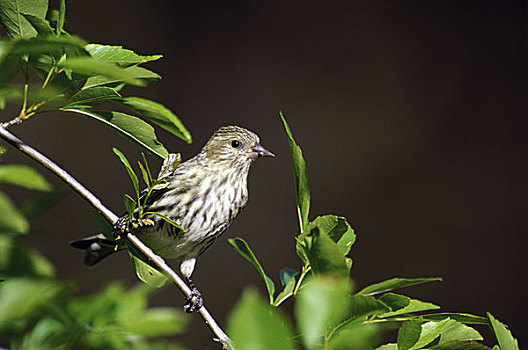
[{"x": 112, "y": 218}]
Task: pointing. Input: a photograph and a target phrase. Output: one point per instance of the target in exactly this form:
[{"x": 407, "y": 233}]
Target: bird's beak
[{"x": 259, "y": 151}]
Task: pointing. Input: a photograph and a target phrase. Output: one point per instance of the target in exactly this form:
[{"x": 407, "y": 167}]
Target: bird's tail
[{"x": 96, "y": 247}]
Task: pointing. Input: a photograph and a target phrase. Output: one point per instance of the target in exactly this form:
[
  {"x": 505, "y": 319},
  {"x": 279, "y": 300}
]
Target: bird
[{"x": 203, "y": 196}]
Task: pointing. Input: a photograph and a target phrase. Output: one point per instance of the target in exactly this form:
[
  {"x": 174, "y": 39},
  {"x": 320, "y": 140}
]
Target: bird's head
[{"x": 234, "y": 145}]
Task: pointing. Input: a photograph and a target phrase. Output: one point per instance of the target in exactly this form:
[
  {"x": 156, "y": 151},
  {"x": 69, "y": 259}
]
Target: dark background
[{"x": 411, "y": 116}]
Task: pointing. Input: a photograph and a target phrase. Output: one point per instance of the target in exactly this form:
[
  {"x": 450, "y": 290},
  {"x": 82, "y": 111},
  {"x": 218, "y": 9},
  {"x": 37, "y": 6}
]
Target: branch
[{"x": 112, "y": 218}]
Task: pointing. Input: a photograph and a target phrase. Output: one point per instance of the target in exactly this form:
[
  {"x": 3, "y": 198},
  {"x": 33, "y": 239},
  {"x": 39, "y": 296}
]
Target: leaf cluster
[
  {"x": 138, "y": 215},
  {"x": 38, "y": 311},
  {"x": 328, "y": 313},
  {"x": 61, "y": 72}
]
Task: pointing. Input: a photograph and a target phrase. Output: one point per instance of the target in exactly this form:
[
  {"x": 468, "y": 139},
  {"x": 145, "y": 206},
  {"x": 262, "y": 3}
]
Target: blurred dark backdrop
[{"x": 411, "y": 116}]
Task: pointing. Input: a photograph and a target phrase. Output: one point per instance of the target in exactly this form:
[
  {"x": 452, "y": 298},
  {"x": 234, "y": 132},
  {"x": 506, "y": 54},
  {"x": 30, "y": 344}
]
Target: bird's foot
[
  {"x": 194, "y": 301},
  {"x": 122, "y": 227}
]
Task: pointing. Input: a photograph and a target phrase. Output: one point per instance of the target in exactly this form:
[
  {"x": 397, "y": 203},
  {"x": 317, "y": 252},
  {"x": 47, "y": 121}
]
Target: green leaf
[
  {"x": 130, "y": 204},
  {"x": 41, "y": 25},
  {"x": 166, "y": 218},
  {"x": 92, "y": 97},
  {"x": 147, "y": 273},
  {"x": 503, "y": 334},
  {"x": 287, "y": 290},
  {"x": 324, "y": 306},
  {"x": 11, "y": 220},
  {"x": 400, "y": 304},
  {"x": 119, "y": 55},
  {"x": 158, "y": 114},
  {"x": 62, "y": 14},
  {"x": 337, "y": 228},
  {"x": 460, "y": 345},
  {"x": 135, "y": 72},
  {"x": 17, "y": 261},
  {"x": 129, "y": 169},
  {"x": 243, "y": 249},
  {"x": 415, "y": 334},
  {"x": 409, "y": 334},
  {"x": 156, "y": 322},
  {"x": 301, "y": 178},
  {"x": 144, "y": 174},
  {"x": 14, "y": 22},
  {"x": 104, "y": 226},
  {"x": 388, "y": 347},
  {"x": 48, "y": 95},
  {"x": 130, "y": 127},
  {"x": 23, "y": 297},
  {"x": 44, "y": 45},
  {"x": 23, "y": 175},
  {"x": 356, "y": 336},
  {"x": 395, "y": 283},
  {"x": 460, "y": 317},
  {"x": 323, "y": 254},
  {"x": 92, "y": 67},
  {"x": 48, "y": 333},
  {"x": 255, "y": 325},
  {"x": 456, "y": 331},
  {"x": 286, "y": 275}
]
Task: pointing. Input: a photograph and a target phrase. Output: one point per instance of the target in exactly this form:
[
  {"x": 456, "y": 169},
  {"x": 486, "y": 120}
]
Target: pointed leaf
[
  {"x": 92, "y": 97},
  {"x": 287, "y": 290},
  {"x": 253, "y": 324},
  {"x": 337, "y": 228},
  {"x": 11, "y": 16},
  {"x": 503, "y": 334},
  {"x": 415, "y": 335},
  {"x": 460, "y": 345},
  {"x": 40, "y": 24},
  {"x": 165, "y": 218},
  {"x": 129, "y": 169},
  {"x": 62, "y": 14},
  {"x": 301, "y": 178},
  {"x": 400, "y": 304},
  {"x": 243, "y": 249},
  {"x": 155, "y": 322},
  {"x": 456, "y": 331},
  {"x": 117, "y": 54},
  {"x": 135, "y": 72},
  {"x": 286, "y": 274},
  {"x": 16, "y": 260},
  {"x": 325, "y": 305},
  {"x": 460, "y": 317},
  {"x": 144, "y": 174},
  {"x": 131, "y": 127},
  {"x": 158, "y": 114},
  {"x": 44, "y": 45},
  {"x": 395, "y": 283},
  {"x": 130, "y": 205},
  {"x": 23, "y": 297},
  {"x": 93, "y": 67},
  {"x": 11, "y": 220},
  {"x": 323, "y": 254},
  {"x": 147, "y": 273},
  {"x": 23, "y": 175}
]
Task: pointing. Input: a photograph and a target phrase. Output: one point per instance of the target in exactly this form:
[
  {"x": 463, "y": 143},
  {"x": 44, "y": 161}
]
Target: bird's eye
[{"x": 235, "y": 143}]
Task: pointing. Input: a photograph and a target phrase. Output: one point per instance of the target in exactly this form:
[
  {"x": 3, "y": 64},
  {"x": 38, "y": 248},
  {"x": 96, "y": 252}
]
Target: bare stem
[{"x": 112, "y": 218}]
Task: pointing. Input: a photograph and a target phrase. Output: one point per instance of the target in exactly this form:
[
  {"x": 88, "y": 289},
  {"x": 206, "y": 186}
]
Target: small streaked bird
[{"x": 203, "y": 196}]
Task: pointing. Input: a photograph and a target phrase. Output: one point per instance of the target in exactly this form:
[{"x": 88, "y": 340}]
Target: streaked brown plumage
[{"x": 204, "y": 195}]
